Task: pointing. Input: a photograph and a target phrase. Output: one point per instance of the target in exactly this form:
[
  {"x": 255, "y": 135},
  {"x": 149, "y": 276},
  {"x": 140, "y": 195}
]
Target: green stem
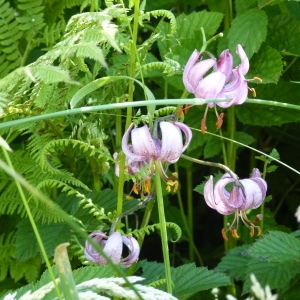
[
  {"x": 32, "y": 222},
  {"x": 96, "y": 108},
  {"x": 122, "y": 159},
  {"x": 190, "y": 206},
  {"x": 186, "y": 226},
  {"x": 163, "y": 228}
]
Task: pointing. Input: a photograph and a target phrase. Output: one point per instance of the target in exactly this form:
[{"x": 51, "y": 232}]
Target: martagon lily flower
[
  {"x": 222, "y": 82},
  {"x": 145, "y": 148},
  {"x": 112, "y": 247},
  {"x": 244, "y": 194}
]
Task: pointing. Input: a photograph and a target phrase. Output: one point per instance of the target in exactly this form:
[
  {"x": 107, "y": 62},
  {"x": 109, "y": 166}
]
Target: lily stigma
[{"x": 243, "y": 195}]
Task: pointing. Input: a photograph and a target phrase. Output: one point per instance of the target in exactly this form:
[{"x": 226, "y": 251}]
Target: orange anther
[
  {"x": 203, "y": 125},
  {"x": 219, "y": 123},
  {"x": 224, "y": 234},
  {"x": 258, "y": 79},
  {"x": 234, "y": 233},
  {"x": 258, "y": 230},
  {"x": 251, "y": 231}
]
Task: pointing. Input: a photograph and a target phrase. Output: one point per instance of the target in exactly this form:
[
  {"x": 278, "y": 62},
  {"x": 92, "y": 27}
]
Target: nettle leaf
[
  {"x": 277, "y": 246},
  {"x": 151, "y": 270},
  {"x": 276, "y": 275},
  {"x": 188, "y": 27},
  {"x": 234, "y": 262},
  {"x": 263, "y": 115},
  {"x": 284, "y": 34},
  {"x": 266, "y": 64},
  {"x": 242, "y": 5},
  {"x": 188, "y": 279},
  {"x": 91, "y": 272},
  {"x": 26, "y": 245},
  {"x": 248, "y": 29}
]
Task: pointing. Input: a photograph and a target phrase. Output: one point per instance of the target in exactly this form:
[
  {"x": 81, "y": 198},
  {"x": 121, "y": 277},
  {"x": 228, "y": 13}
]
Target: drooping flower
[
  {"x": 244, "y": 194},
  {"x": 112, "y": 247},
  {"x": 145, "y": 148},
  {"x": 222, "y": 82}
]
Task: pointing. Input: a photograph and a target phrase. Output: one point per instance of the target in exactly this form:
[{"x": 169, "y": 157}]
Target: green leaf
[
  {"x": 49, "y": 74},
  {"x": 277, "y": 247},
  {"x": 188, "y": 279},
  {"x": 284, "y": 34},
  {"x": 96, "y": 84},
  {"x": 234, "y": 262},
  {"x": 91, "y": 272},
  {"x": 242, "y": 5},
  {"x": 26, "y": 245},
  {"x": 152, "y": 270},
  {"x": 248, "y": 29},
  {"x": 244, "y": 138},
  {"x": 188, "y": 28},
  {"x": 276, "y": 275},
  {"x": 263, "y": 115},
  {"x": 266, "y": 64}
]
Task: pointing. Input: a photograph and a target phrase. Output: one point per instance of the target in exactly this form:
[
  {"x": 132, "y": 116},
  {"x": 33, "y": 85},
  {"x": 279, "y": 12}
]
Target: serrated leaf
[
  {"x": 234, "y": 262},
  {"x": 188, "y": 27},
  {"x": 188, "y": 279},
  {"x": 242, "y": 5},
  {"x": 276, "y": 275},
  {"x": 277, "y": 247},
  {"x": 264, "y": 115},
  {"x": 248, "y": 29},
  {"x": 26, "y": 245},
  {"x": 90, "y": 272},
  {"x": 284, "y": 34},
  {"x": 54, "y": 234},
  {"x": 266, "y": 65},
  {"x": 151, "y": 270},
  {"x": 244, "y": 138}
]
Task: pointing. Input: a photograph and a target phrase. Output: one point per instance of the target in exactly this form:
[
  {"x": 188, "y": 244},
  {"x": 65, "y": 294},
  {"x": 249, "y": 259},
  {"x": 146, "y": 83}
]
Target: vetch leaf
[{"x": 248, "y": 29}]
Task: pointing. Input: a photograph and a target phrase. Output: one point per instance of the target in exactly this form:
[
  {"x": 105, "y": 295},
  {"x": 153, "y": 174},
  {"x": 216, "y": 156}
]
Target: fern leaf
[
  {"x": 49, "y": 74},
  {"x": 32, "y": 18},
  {"x": 165, "y": 14},
  {"x": 10, "y": 56}
]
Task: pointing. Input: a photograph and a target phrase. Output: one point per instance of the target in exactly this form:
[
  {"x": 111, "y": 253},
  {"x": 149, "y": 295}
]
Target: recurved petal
[
  {"x": 244, "y": 59},
  {"x": 192, "y": 60},
  {"x": 221, "y": 195},
  {"x": 209, "y": 193},
  {"x": 199, "y": 70},
  {"x": 113, "y": 249},
  {"x": 210, "y": 86},
  {"x": 253, "y": 194},
  {"x": 172, "y": 145},
  {"x": 143, "y": 146},
  {"x": 225, "y": 64},
  {"x": 187, "y": 132},
  {"x": 134, "y": 249},
  {"x": 89, "y": 252}
]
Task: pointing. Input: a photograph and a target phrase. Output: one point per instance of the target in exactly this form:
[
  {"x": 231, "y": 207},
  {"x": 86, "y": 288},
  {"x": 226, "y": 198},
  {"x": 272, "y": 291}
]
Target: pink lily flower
[
  {"x": 245, "y": 194},
  {"x": 112, "y": 247}
]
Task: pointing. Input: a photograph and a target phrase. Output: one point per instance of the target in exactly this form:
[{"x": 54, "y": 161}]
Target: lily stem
[
  {"x": 163, "y": 228},
  {"x": 212, "y": 164}
]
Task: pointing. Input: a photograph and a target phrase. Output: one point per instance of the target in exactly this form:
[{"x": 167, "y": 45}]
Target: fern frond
[
  {"x": 65, "y": 188},
  {"x": 151, "y": 228},
  {"x": 49, "y": 74},
  {"x": 53, "y": 32},
  {"x": 32, "y": 18},
  {"x": 169, "y": 69},
  {"x": 164, "y": 14},
  {"x": 10, "y": 56},
  {"x": 87, "y": 149}
]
